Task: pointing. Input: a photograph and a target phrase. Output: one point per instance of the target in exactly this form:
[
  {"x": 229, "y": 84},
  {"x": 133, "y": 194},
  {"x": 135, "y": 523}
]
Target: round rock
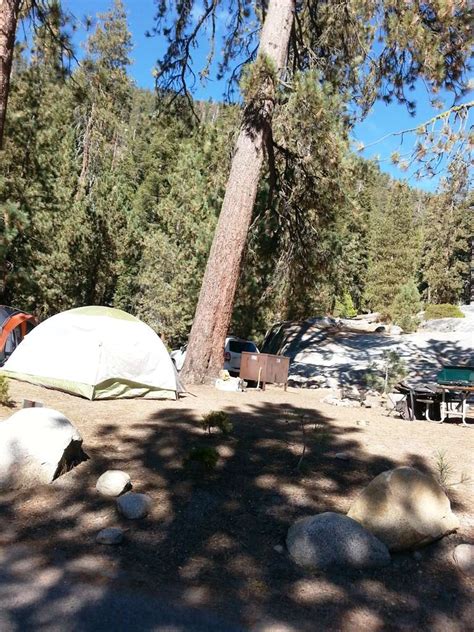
[
  {"x": 134, "y": 506},
  {"x": 464, "y": 557},
  {"x": 405, "y": 509},
  {"x": 331, "y": 382},
  {"x": 113, "y": 483},
  {"x": 111, "y": 535},
  {"x": 330, "y": 539},
  {"x": 37, "y": 445},
  {"x": 319, "y": 379}
]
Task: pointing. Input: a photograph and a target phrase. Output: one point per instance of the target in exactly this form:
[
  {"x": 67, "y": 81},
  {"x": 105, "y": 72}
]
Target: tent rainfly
[
  {"x": 14, "y": 325},
  {"x": 98, "y": 353}
]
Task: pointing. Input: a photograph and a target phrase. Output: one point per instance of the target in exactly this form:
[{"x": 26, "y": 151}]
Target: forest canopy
[{"x": 110, "y": 195}]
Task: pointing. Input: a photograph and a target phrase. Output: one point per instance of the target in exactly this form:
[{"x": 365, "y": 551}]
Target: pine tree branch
[
  {"x": 42, "y": 14},
  {"x": 183, "y": 63},
  {"x": 442, "y": 115}
]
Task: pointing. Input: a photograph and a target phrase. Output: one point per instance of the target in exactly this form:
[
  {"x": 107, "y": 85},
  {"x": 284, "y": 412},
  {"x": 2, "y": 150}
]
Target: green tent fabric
[{"x": 98, "y": 353}]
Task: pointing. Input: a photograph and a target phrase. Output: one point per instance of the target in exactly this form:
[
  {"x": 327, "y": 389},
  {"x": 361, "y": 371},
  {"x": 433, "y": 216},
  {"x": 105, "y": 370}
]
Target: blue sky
[{"x": 382, "y": 120}]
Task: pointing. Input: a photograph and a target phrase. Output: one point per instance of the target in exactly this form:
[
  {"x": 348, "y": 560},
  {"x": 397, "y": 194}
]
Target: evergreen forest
[{"x": 110, "y": 195}]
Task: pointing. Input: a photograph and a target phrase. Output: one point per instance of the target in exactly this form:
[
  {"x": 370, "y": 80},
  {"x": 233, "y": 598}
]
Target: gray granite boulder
[
  {"x": 329, "y": 539},
  {"x": 36, "y": 446}
]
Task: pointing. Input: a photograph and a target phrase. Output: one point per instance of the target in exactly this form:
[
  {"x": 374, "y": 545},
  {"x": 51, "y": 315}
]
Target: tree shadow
[
  {"x": 211, "y": 556},
  {"x": 347, "y": 355}
]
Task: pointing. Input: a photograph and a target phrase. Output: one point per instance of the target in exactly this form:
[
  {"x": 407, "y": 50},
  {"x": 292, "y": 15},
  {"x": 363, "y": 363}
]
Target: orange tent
[{"x": 14, "y": 325}]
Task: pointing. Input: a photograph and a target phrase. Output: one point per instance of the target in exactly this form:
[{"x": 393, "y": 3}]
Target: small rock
[
  {"x": 297, "y": 378},
  {"x": 31, "y": 403},
  {"x": 372, "y": 401},
  {"x": 417, "y": 555},
  {"x": 330, "y": 539},
  {"x": 395, "y": 330},
  {"x": 111, "y": 535},
  {"x": 278, "y": 548},
  {"x": 319, "y": 379},
  {"x": 342, "y": 456},
  {"x": 464, "y": 557},
  {"x": 362, "y": 423},
  {"x": 134, "y": 506},
  {"x": 337, "y": 401},
  {"x": 351, "y": 392},
  {"x": 331, "y": 382},
  {"x": 113, "y": 483}
]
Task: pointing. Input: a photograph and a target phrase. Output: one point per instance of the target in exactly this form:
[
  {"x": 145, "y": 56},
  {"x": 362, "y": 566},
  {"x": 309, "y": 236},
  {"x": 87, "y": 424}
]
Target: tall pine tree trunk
[
  {"x": 471, "y": 276},
  {"x": 205, "y": 354},
  {"x": 8, "y": 18}
]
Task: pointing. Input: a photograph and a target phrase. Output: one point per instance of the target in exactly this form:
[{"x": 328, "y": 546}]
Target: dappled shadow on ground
[{"x": 209, "y": 544}]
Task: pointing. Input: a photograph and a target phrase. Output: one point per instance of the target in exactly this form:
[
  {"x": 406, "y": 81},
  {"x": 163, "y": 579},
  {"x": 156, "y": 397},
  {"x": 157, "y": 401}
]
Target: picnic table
[
  {"x": 435, "y": 402},
  {"x": 460, "y": 393}
]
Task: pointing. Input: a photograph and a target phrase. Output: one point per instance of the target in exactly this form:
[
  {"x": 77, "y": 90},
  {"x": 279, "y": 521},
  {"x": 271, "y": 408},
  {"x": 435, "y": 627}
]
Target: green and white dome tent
[{"x": 98, "y": 353}]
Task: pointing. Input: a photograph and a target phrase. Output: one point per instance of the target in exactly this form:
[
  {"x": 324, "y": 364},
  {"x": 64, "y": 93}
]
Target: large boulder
[
  {"x": 405, "y": 509},
  {"x": 330, "y": 539},
  {"x": 36, "y": 446}
]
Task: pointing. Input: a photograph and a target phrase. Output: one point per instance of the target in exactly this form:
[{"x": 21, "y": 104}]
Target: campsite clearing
[{"x": 214, "y": 542}]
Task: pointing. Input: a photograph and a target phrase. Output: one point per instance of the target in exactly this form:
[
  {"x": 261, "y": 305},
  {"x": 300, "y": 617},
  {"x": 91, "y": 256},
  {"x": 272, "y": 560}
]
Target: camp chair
[{"x": 397, "y": 402}]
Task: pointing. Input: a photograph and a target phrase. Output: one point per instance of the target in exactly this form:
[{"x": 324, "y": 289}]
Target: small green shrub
[
  {"x": 444, "y": 469},
  {"x": 444, "y": 473},
  {"x": 344, "y": 307},
  {"x": 383, "y": 376},
  {"x": 4, "y": 393},
  {"x": 443, "y": 310},
  {"x": 372, "y": 378},
  {"x": 217, "y": 419},
  {"x": 204, "y": 456},
  {"x": 405, "y": 306}
]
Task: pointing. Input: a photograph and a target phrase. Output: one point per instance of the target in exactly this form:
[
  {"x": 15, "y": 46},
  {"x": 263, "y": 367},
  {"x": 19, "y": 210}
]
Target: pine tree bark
[
  {"x": 471, "y": 276},
  {"x": 8, "y": 19},
  {"x": 86, "y": 153},
  {"x": 205, "y": 353}
]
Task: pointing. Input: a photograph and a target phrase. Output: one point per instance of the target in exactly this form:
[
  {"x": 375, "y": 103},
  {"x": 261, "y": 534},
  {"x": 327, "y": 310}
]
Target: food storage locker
[{"x": 264, "y": 368}]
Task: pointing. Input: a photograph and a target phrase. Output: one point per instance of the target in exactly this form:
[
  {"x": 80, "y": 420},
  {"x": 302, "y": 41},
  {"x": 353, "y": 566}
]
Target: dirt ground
[{"x": 216, "y": 542}]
